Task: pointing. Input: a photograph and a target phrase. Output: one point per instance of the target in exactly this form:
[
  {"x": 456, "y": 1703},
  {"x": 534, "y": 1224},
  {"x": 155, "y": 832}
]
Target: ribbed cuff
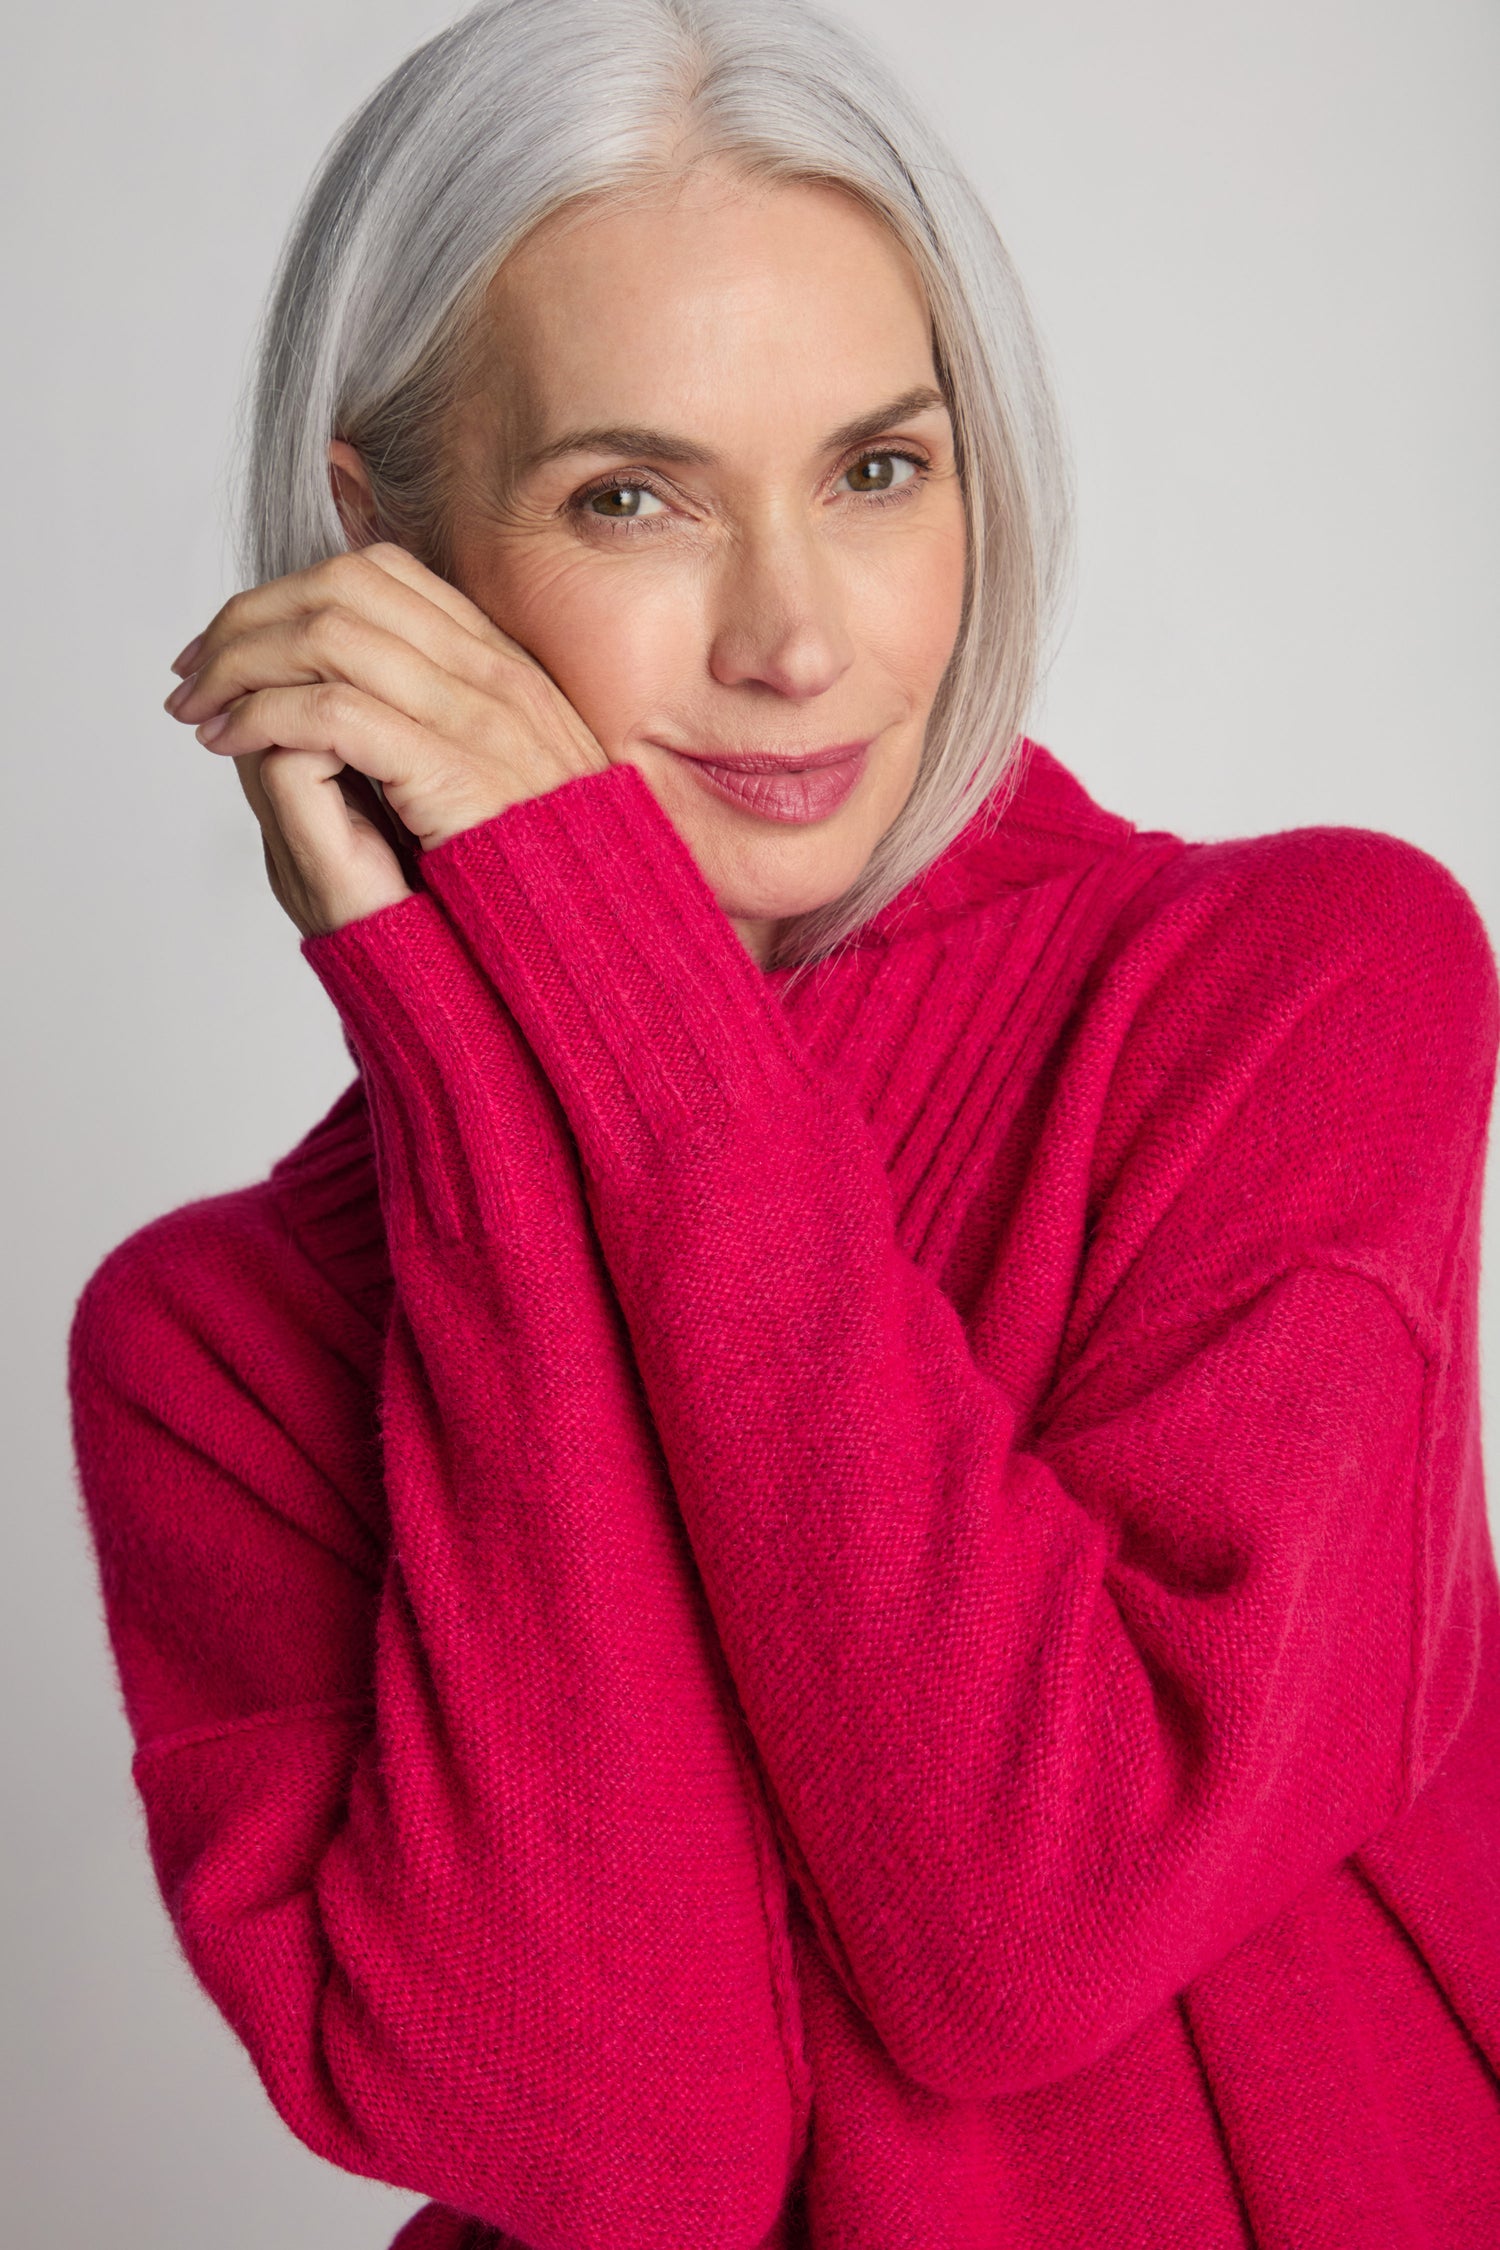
[
  {"x": 451, "y": 1086},
  {"x": 650, "y": 1019}
]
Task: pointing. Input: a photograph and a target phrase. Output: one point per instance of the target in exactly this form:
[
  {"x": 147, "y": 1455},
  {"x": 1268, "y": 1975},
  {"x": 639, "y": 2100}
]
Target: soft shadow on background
[{"x": 1261, "y": 242}]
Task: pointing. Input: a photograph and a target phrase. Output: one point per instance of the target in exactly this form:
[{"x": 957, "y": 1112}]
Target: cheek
[
  {"x": 910, "y": 602},
  {"x": 938, "y": 604},
  {"x": 621, "y": 640}
]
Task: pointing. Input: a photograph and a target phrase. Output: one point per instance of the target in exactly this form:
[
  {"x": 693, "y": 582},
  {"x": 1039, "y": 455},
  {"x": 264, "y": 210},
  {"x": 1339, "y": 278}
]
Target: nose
[{"x": 781, "y": 621}]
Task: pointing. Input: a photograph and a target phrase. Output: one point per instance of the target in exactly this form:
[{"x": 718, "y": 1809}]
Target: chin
[
  {"x": 766, "y": 881},
  {"x": 770, "y": 906}
]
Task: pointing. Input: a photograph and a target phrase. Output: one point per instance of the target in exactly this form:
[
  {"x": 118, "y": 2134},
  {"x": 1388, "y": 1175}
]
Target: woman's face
[{"x": 708, "y": 481}]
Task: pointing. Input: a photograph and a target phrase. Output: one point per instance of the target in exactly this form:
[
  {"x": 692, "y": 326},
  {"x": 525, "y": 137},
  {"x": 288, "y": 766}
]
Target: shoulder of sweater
[
  {"x": 301, "y": 1252},
  {"x": 1286, "y": 1047},
  {"x": 1301, "y": 906},
  {"x": 1251, "y": 924}
]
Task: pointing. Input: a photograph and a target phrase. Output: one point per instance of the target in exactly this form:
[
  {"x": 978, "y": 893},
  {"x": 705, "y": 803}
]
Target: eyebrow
[{"x": 662, "y": 445}]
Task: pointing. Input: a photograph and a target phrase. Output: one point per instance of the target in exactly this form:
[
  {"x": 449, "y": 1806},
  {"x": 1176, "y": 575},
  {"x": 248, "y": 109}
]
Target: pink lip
[
  {"x": 804, "y": 788},
  {"x": 774, "y": 761}
]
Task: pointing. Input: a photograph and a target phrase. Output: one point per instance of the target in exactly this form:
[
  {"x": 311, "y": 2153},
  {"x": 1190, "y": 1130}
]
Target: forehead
[{"x": 704, "y": 299}]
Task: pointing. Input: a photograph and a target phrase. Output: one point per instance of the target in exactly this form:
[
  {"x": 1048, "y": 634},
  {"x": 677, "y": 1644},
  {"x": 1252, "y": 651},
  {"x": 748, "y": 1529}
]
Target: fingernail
[
  {"x": 179, "y": 694},
  {"x": 212, "y": 728},
  {"x": 186, "y": 660}
]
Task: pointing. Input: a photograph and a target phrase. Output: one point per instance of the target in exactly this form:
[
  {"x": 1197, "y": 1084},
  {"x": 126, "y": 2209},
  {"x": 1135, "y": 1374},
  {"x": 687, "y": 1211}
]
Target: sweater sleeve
[
  {"x": 445, "y": 1789},
  {"x": 1051, "y": 1718}
]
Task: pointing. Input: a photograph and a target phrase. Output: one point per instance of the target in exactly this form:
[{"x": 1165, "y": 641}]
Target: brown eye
[
  {"x": 880, "y": 472},
  {"x": 623, "y": 502}
]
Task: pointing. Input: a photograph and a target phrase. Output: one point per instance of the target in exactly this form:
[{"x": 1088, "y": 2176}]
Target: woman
[{"x": 765, "y": 1607}]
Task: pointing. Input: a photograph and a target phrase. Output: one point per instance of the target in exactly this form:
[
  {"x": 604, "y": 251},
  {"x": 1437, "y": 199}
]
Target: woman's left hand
[{"x": 370, "y": 661}]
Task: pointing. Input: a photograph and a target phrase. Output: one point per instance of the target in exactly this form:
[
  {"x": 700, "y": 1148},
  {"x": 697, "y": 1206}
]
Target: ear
[{"x": 354, "y": 497}]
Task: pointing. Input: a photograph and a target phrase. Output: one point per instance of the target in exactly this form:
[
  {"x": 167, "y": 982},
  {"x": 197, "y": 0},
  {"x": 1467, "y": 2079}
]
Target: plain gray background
[{"x": 1261, "y": 241}]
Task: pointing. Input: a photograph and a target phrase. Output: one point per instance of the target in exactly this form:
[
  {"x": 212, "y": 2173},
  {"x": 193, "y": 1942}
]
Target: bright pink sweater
[{"x": 859, "y": 1617}]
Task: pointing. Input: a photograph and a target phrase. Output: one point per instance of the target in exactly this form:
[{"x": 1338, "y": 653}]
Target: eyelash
[{"x": 638, "y": 482}]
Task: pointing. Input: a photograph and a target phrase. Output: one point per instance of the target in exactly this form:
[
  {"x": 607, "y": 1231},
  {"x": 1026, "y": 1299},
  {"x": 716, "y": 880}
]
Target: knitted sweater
[{"x": 858, "y": 1616}]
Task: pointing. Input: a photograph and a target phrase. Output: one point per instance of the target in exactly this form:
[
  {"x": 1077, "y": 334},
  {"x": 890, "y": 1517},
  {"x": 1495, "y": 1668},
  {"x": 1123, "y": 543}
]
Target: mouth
[
  {"x": 798, "y": 787},
  {"x": 773, "y": 761}
]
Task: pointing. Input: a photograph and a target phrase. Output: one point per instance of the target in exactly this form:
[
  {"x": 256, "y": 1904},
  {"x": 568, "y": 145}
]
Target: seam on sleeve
[
  {"x": 1421, "y": 1328},
  {"x": 1422, "y": 1495},
  {"x": 1274, "y": 1043},
  {"x": 1421, "y": 1518},
  {"x": 220, "y": 1730}
]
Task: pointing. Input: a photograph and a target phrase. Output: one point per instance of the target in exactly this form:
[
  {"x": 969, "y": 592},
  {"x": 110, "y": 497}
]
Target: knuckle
[
  {"x": 277, "y": 768},
  {"x": 334, "y": 628},
  {"x": 505, "y": 676},
  {"x": 360, "y": 565},
  {"x": 227, "y": 621},
  {"x": 332, "y": 704},
  {"x": 334, "y": 574}
]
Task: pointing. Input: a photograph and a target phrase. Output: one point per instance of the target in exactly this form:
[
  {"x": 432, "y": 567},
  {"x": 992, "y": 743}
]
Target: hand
[{"x": 371, "y": 668}]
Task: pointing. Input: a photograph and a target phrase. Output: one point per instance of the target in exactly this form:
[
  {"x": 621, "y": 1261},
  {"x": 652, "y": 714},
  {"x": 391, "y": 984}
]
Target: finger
[
  {"x": 333, "y": 644},
  {"x": 281, "y": 871},
  {"x": 340, "y": 722},
  {"x": 270, "y": 812},
  {"x": 386, "y": 586},
  {"x": 369, "y": 809},
  {"x": 360, "y": 795},
  {"x": 328, "y": 856},
  {"x": 401, "y": 565}
]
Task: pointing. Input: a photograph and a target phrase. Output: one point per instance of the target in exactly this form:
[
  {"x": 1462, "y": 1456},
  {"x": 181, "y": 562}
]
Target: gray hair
[{"x": 523, "y": 106}]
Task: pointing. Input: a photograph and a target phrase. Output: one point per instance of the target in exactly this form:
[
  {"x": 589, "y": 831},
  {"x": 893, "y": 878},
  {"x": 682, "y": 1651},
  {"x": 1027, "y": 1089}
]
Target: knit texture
[{"x": 853, "y": 1616}]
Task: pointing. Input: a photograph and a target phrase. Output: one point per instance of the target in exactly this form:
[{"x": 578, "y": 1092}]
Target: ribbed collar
[
  {"x": 1046, "y": 828},
  {"x": 1046, "y": 824}
]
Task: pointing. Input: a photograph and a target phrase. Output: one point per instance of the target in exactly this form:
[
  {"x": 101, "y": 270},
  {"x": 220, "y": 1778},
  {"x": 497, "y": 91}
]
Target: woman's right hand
[{"x": 368, "y": 667}]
